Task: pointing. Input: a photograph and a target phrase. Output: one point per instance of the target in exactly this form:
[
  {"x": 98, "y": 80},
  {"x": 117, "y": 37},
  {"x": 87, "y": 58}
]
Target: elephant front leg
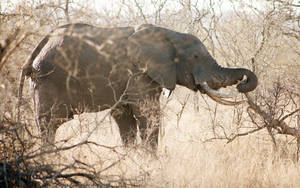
[
  {"x": 127, "y": 124},
  {"x": 148, "y": 132},
  {"x": 149, "y": 119}
]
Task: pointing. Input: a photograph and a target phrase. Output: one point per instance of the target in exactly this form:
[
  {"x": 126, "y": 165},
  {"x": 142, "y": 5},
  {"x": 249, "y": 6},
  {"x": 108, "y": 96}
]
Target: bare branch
[
  {"x": 290, "y": 114},
  {"x": 244, "y": 134},
  {"x": 140, "y": 10},
  {"x": 284, "y": 128},
  {"x": 7, "y": 51},
  {"x": 67, "y": 11}
]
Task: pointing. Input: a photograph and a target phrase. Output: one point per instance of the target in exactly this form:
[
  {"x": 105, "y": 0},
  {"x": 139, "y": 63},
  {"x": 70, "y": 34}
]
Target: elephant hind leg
[
  {"x": 127, "y": 124},
  {"x": 50, "y": 111},
  {"x": 49, "y": 122},
  {"x": 48, "y": 129}
]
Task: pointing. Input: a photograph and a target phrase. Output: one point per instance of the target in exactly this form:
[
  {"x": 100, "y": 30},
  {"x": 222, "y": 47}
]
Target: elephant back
[{"x": 83, "y": 42}]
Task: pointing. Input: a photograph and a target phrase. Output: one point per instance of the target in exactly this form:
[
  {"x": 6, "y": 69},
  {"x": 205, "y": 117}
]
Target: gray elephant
[{"x": 82, "y": 68}]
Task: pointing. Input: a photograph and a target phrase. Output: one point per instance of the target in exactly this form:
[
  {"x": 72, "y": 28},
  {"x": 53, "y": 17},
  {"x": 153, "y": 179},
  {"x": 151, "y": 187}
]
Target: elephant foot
[
  {"x": 129, "y": 138},
  {"x": 150, "y": 138},
  {"x": 48, "y": 130},
  {"x": 48, "y": 141}
]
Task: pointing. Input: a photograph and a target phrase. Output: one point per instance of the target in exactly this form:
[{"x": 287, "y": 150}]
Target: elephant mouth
[{"x": 218, "y": 96}]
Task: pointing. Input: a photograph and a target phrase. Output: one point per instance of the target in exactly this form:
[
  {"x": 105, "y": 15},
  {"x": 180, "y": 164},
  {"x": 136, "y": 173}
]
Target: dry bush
[
  {"x": 252, "y": 145},
  {"x": 260, "y": 40}
]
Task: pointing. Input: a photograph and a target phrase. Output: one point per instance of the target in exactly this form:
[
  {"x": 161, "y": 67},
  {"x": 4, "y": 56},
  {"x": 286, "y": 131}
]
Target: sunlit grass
[{"x": 184, "y": 158}]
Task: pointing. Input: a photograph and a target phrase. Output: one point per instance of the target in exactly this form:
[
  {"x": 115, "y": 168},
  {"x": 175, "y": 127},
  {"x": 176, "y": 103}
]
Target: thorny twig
[
  {"x": 284, "y": 128},
  {"x": 276, "y": 123},
  {"x": 270, "y": 123}
]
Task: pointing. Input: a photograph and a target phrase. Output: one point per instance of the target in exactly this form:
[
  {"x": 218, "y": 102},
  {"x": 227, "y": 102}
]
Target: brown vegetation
[{"x": 202, "y": 144}]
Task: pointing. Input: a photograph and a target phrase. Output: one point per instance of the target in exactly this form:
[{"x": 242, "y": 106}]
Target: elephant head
[{"x": 171, "y": 58}]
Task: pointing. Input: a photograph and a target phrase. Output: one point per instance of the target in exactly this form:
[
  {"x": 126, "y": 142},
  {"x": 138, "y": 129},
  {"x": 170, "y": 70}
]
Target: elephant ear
[{"x": 154, "y": 54}]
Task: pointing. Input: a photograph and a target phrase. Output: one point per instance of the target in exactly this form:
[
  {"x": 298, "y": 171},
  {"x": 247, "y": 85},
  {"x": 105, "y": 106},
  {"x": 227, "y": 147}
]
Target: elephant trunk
[
  {"x": 246, "y": 79},
  {"x": 250, "y": 83},
  {"x": 208, "y": 82}
]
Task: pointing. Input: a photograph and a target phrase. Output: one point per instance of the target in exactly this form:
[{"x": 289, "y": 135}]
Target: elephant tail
[{"x": 27, "y": 70}]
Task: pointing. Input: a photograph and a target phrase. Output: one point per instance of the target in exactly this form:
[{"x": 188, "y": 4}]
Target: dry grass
[
  {"x": 184, "y": 158},
  {"x": 196, "y": 148}
]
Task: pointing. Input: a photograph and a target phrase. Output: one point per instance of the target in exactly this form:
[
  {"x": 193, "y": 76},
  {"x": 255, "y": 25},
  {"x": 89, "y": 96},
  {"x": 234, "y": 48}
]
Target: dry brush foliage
[{"x": 263, "y": 39}]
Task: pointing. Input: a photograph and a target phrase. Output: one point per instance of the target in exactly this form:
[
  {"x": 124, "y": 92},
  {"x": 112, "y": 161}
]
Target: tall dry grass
[
  {"x": 186, "y": 156},
  {"x": 202, "y": 144}
]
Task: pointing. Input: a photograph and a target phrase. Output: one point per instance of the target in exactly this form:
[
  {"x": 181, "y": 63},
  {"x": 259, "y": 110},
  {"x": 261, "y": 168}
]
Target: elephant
[{"x": 80, "y": 68}]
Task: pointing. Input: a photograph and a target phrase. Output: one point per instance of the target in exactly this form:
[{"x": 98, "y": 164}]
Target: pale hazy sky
[{"x": 225, "y": 5}]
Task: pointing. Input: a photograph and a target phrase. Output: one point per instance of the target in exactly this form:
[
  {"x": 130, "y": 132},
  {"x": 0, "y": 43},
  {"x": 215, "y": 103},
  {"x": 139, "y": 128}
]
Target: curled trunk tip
[{"x": 250, "y": 83}]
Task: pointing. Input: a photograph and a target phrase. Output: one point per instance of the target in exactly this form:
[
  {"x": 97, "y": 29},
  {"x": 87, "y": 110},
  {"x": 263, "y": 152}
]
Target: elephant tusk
[
  {"x": 215, "y": 93},
  {"x": 217, "y": 96},
  {"x": 225, "y": 102}
]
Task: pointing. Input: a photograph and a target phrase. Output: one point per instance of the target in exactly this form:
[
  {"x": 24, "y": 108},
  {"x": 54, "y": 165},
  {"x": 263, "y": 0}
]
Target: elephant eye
[{"x": 196, "y": 56}]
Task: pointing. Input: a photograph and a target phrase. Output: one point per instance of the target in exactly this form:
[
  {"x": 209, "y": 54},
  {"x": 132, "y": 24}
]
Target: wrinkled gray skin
[{"x": 81, "y": 68}]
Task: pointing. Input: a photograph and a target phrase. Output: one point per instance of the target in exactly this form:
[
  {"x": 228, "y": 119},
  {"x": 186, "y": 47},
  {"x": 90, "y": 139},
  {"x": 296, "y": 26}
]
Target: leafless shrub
[
  {"x": 275, "y": 109},
  {"x": 265, "y": 40},
  {"x": 22, "y": 163},
  {"x": 258, "y": 39},
  {"x": 278, "y": 112}
]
